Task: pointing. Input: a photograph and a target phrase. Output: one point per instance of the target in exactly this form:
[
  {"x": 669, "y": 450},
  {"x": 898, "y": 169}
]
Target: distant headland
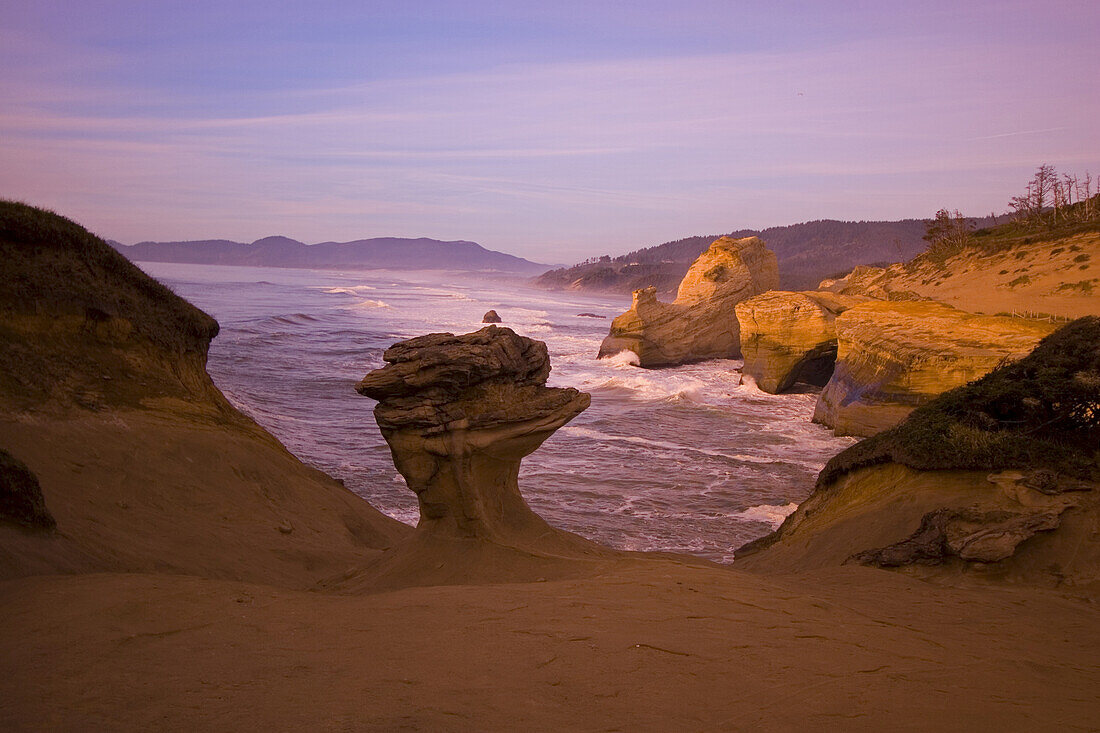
[{"x": 368, "y": 254}]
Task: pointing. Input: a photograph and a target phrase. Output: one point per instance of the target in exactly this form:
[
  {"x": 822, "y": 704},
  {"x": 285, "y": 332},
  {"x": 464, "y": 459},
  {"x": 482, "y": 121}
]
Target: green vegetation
[
  {"x": 808, "y": 253},
  {"x": 83, "y": 326},
  {"x": 55, "y": 267},
  {"x": 1042, "y": 411},
  {"x": 1084, "y": 286},
  {"x": 1054, "y": 207}
]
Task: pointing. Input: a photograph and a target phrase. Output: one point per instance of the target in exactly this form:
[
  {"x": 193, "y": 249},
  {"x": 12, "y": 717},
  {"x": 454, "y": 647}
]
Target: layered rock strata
[
  {"x": 788, "y": 337},
  {"x": 700, "y": 323},
  {"x": 459, "y": 413},
  {"x": 999, "y": 477},
  {"x": 892, "y": 357},
  {"x": 941, "y": 523}
]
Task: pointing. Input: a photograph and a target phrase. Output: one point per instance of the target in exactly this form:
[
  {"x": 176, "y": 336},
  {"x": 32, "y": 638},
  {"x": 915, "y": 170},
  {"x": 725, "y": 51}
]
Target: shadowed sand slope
[{"x": 141, "y": 461}]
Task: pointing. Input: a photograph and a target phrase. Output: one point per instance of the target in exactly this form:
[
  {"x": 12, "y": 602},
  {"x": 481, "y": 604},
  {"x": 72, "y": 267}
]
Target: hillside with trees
[{"x": 807, "y": 252}]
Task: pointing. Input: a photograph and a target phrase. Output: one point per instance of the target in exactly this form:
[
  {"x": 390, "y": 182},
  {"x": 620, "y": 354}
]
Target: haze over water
[{"x": 684, "y": 459}]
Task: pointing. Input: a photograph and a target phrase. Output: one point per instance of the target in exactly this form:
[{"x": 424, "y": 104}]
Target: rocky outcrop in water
[
  {"x": 700, "y": 323},
  {"x": 894, "y": 356},
  {"x": 788, "y": 338},
  {"x": 459, "y": 413},
  {"x": 490, "y": 317}
]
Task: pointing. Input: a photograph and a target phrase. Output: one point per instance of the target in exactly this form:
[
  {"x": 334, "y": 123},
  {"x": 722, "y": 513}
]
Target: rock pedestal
[{"x": 459, "y": 413}]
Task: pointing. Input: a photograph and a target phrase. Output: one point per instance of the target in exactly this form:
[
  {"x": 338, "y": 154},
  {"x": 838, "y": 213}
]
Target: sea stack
[
  {"x": 459, "y": 413},
  {"x": 700, "y": 323},
  {"x": 490, "y": 317}
]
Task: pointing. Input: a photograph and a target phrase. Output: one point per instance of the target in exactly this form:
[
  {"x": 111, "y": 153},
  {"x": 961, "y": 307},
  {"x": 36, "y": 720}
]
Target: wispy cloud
[
  {"x": 518, "y": 154},
  {"x": 1020, "y": 132}
]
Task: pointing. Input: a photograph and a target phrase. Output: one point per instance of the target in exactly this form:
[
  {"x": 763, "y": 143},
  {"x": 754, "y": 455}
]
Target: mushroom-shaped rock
[
  {"x": 490, "y": 317},
  {"x": 459, "y": 412},
  {"x": 700, "y": 324}
]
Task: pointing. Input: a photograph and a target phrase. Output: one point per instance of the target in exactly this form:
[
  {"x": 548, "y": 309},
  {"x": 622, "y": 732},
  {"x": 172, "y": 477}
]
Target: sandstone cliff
[
  {"x": 141, "y": 463},
  {"x": 700, "y": 323},
  {"x": 788, "y": 338},
  {"x": 895, "y": 356},
  {"x": 998, "y": 478}
]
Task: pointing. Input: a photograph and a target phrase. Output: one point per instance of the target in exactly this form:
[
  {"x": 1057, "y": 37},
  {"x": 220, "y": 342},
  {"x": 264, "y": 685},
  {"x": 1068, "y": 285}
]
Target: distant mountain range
[
  {"x": 807, "y": 253},
  {"x": 362, "y": 254}
]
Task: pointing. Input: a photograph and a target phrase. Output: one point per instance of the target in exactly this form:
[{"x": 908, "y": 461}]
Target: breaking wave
[{"x": 768, "y": 513}]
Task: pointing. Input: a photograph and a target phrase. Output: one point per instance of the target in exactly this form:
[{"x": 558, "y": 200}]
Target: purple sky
[{"x": 551, "y": 130}]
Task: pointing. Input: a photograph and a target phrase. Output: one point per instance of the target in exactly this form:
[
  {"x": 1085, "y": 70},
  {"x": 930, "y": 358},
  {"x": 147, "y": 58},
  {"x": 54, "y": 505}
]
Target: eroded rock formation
[
  {"x": 870, "y": 281},
  {"x": 968, "y": 534},
  {"x": 790, "y": 337},
  {"x": 459, "y": 413},
  {"x": 122, "y": 440},
  {"x": 999, "y": 476},
  {"x": 700, "y": 323},
  {"x": 941, "y": 522},
  {"x": 490, "y": 317},
  {"x": 894, "y": 356}
]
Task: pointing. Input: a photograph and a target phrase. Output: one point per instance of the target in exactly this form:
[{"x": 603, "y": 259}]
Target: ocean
[{"x": 689, "y": 459}]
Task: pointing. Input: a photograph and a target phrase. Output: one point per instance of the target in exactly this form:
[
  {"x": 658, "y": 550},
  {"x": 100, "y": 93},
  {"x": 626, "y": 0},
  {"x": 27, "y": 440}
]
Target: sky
[{"x": 552, "y": 130}]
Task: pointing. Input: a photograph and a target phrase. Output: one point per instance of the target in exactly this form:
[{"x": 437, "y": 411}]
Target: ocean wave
[
  {"x": 767, "y": 513},
  {"x": 677, "y": 447},
  {"x": 371, "y": 304},
  {"x": 294, "y": 319},
  {"x": 623, "y": 359},
  {"x": 643, "y": 386},
  {"x": 353, "y": 290},
  {"x": 748, "y": 384}
]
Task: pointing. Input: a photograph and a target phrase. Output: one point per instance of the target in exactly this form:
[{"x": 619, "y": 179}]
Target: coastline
[{"x": 201, "y": 577}]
